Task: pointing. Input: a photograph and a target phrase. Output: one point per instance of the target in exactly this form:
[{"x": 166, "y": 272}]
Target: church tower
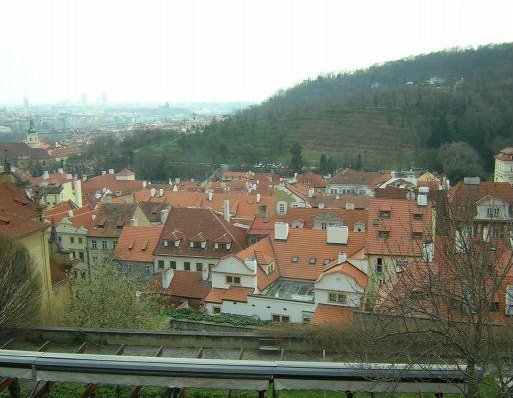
[{"x": 32, "y": 136}]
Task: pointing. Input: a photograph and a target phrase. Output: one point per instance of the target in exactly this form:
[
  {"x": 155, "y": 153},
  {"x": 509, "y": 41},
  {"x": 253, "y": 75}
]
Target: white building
[{"x": 504, "y": 166}]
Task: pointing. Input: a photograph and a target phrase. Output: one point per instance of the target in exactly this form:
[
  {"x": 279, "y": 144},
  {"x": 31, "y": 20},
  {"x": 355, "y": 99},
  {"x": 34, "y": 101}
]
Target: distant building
[
  {"x": 351, "y": 182},
  {"x": 504, "y": 166},
  {"x": 32, "y": 139}
]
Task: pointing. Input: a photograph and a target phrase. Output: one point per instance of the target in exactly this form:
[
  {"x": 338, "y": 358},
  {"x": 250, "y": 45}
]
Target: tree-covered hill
[{"x": 393, "y": 115}]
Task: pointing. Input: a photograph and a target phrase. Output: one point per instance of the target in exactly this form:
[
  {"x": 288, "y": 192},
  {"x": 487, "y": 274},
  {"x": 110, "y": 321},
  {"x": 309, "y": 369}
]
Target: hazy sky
[{"x": 172, "y": 50}]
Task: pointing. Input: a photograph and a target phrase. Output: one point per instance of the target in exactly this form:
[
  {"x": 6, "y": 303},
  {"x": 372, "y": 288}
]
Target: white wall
[
  {"x": 233, "y": 266},
  {"x": 181, "y": 260},
  {"x": 339, "y": 283}
]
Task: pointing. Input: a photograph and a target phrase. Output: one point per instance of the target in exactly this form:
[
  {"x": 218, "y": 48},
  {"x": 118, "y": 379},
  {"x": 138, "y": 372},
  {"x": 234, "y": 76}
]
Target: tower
[{"x": 32, "y": 136}]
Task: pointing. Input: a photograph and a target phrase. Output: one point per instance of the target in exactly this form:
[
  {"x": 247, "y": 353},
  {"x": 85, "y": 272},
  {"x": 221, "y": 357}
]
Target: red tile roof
[
  {"x": 261, "y": 227},
  {"x": 195, "y": 222},
  {"x": 505, "y": 154},
  {"x": 137, "y": 243},
  {"x": 184, "y": 284},
  {"x": 111, "y": 218},
  {"x": 339, "y": 201},
  {"x": 14, "y": 200},
  {"x": 312, "y": 180},
  {"x": 469, "y": 193},
  {"x": 308, "y": 216},
  {"x": 109, "y": 181},
  {"x": 353, "y": 177},
  {"x": 401, "y": 225},
  {"x": 233, "y": 293},
  {"x": 326, "y": 314},
  {"x": 17, "y": 227},
  {"x": 346, "y": 268}
]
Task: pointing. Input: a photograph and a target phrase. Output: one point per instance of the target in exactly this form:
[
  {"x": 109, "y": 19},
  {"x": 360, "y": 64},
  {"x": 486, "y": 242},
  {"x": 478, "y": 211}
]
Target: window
[
  {"x": 114, "y": 244},
  {"x": 282, "y": 208},
  {"x": 492, "y": 212},
  {"x": 379, "y": 265},
  {"x": 196, "y": 245},
  {"x": 384, "y": 234},
  {"x": 172, "y": 264},
  {"x": 221, "y": 246},
  {"x": 60, "y": 239},
  {"x": 384, "y": 213},
  {"x": 324, "y": 225},
  {"x": 72, "y": 239},
  {"x": 337, "y": 298},
  {"x": 327, "y": 261},
  {"x": 416, "y": 235},
  {"x": 80, "y": 240},
  {"x": 312, "y": 261},
  {"x": 216, "y": 310},
  {"x": 252, "y": 240},
  {"x": 494, "y": 307},
  {"x": 165, "y": 243},
  {"x": 160, "y": 264},
  {"x": 294, "y": 259},
  {"x": 94, "y": 244},
  {"x": 187, "y": 266},
  {"x": 81, "y": 255},
  {"x": 199, "y": 267},
  {"x": 417, "y": 217},
  {"x": 232, "y": 280},
  {"x": 280, "y": 318},
  {"x": 104, "y": 244}
]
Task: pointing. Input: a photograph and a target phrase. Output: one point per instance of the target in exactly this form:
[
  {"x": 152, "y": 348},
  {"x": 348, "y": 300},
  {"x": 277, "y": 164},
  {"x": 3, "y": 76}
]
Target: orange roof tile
[
  {"x": 137, "y": 243},
  {"x": 350, "y": 270},
  {"x": 17, "y": 227},
  {"x": 308, "y": 216},
  {"x": 332, "y": 314},
  {"x": 233, "y": 293},
  {"x": 186, "y": 284}
]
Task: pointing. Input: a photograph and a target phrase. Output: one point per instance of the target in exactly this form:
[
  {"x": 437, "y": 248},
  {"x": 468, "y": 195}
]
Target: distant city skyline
[{"x": 211, "y": 50}]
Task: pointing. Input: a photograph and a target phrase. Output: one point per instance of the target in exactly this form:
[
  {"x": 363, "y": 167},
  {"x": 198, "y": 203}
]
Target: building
[
  {"x": 195, "y": 240},
  {"x": 351, "y": 182},
  {"x": 20, "y": 220},
  {"x": 32, "y": 139},
  {"x": 315, "y": 218},
  {"x": 399, "y": 233},
  {"x": 109, "y": 183},
  {"x": 285, "y": 277},
  {"x": 504, "y": 166},
  {"x": 50, "y": 190},
  {"x": 134, "y": 250},
  {"x": 107, "y": 226}
]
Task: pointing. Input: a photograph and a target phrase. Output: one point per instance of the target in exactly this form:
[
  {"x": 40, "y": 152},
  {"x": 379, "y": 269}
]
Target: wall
[
  {"x": 65, "y": 231},
  {"x": 37, "y": 246},
  {"x": 181, "y": 260},
  {"x": 338, "y": 283},
  {"x": 233, "y": 266},
  {"x": 336, "y": 189}
]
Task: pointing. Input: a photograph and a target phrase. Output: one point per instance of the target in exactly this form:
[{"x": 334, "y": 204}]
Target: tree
[
  {"x": 358, "y": 164},
  {"x": 107, "y": 299},
  {"x": 331, "y": 165},
  {"x": 455, "y": 309},
  {"x": 323, "y": 164},
  {"x": 296, "y": 161},
  {"x": 458, "y": 160},
  {"x": 20, "y": 288}
]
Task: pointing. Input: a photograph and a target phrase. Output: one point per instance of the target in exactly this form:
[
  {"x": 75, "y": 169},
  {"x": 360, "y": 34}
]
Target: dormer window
[
  {"x": 384, "y": 213},
  {"x": 492, "y": 212},
  {"x": 198, "y": 245},
  {"x": 326, "y": 261},
  {"x": 384, "y": 234},
  {"x": 165, "y": 243},
  {"x": 177, "y": 242}
]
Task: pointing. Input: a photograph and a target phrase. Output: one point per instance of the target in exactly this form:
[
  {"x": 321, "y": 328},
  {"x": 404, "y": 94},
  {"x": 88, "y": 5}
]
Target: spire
[{"x": 32, "y": 129}]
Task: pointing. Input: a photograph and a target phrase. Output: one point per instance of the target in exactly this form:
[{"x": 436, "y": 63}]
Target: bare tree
[
  {"x": 458, "y": 305},
  {"x": 20, "y": 289}
]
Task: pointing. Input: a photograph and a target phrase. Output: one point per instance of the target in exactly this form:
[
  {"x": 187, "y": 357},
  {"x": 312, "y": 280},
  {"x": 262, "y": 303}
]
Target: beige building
[
  {"x": 50, "y": 190},
  {"x": 504, "y": 166}
]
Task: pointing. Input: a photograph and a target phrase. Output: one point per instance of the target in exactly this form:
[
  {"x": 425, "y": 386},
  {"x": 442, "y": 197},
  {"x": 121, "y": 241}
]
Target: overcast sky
[{"x": 204, "y": 50}]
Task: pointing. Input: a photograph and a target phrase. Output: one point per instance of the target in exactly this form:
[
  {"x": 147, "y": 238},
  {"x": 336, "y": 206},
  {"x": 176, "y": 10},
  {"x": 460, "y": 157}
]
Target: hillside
[
  {"x": 389, "y": 113},
  {"x": 392, "y": 115}
]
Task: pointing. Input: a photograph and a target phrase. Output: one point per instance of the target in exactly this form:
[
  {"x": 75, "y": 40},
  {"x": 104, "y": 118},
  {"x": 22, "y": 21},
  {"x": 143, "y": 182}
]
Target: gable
[
  {"x": 327, "y": 217},
  {"x": 338, "y": 281},
  {"x": 232, "y": 265}
]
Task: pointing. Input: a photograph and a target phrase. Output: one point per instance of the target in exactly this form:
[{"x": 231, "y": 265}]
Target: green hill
[
  {"x": 389, "y": 113},
  {"x": 392, "y": 115}
]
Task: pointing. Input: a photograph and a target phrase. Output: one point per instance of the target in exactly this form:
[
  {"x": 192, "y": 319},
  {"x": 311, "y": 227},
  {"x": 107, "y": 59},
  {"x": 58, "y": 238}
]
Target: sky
[{"x": 219, "y": 50}]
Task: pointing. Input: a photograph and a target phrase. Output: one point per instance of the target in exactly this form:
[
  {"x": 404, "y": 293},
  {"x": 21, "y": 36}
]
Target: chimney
[
  {"x": 258, "y": 198},
  {"x": 177, "y": 181},
  {"x": 170, "y": 181},
  {"x": 70, "y": 213},
  {"x": 133, "y": 222},
  {"x": 337, "y": 235},
  {"x": 60, "y": 170},
  {"x": 107, "y": 199},
  {"x": 321, "y": 205},
  {"x": 210, "y": 195},
  {"x": 69, "y": 177},
  {"x": 311, "y": 192},
  {"x": 111, "y": 171},
  {"x": 153, "y": 191},
  {"x": 163, "y": 215},
  {"x": 78, "y": 193},
  {"x": 226, "y": 210},
  {"x": 93, "y": 217},
  {"x": 342, "y": 257},
  {"x": 103, "y": 172},
  {"x": 175, "y": 188},
  {"x": 46, "y": 176},
  {"x": 281, "y": 231},
  {"x": 161, "y": 192},
  {"x": 167, "y": 277}
]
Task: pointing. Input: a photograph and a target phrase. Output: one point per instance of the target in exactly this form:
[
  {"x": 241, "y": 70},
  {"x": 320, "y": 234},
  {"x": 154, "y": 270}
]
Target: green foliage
[
  {"x": 296, "y": 161},
  {"x": 323, "y": 164},
  {"x": 231, "y": 319},
  {"x": 107, "y": 300},
  {"x": 459, "y": 160}
]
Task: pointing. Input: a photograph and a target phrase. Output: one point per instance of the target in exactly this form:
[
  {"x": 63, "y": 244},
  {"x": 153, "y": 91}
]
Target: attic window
[
  {"x": 384, "y": 234},
  {"x": 384, "y": 213},
  {"x": 417, "y": 217},
  {"x": 177, "y": 242},
  {"x": 294, "y": 259},
  {"x": 165, "y": 243},
  {"x": 312, "y": 261},
  {"x": 327, "y": 261},
  {"x": 416, "y": 235},
  {"x": 131, "y": 245}
]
